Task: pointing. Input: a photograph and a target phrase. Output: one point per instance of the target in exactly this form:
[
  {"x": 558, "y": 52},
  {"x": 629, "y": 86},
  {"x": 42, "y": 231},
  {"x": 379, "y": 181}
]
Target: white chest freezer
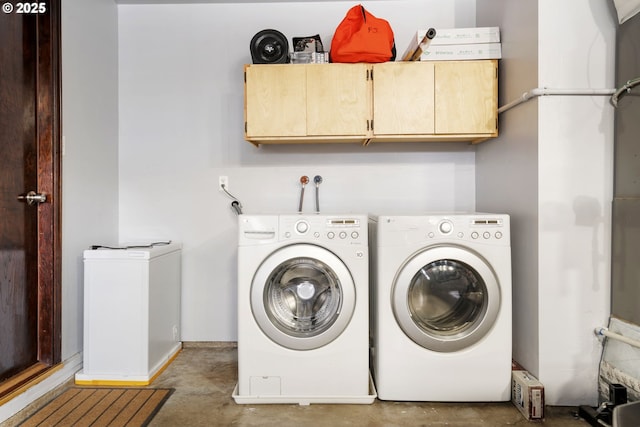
[{"x": 131, "y": 314}]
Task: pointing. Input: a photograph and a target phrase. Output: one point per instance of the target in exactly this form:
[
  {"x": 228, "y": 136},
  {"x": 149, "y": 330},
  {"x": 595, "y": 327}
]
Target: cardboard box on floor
[{"x": 527, "y": 394}]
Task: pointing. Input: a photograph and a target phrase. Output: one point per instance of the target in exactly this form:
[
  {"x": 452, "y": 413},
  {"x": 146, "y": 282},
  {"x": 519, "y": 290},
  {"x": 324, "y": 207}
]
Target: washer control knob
[
  {"x": 355, "y": 235},
  {"x": 474, "y": 235},
  {"x": 331, "y": 234},
  {"x": 316, "y": 234},
  {"x": 486, "y": 235},
  {"x": 498, "y": 234},
  {"x": 445, "y": 227},
  {"x": 302, "y": 227},
  {"x": 287, "y": 234},
  {"x": 343, "y": 235}
]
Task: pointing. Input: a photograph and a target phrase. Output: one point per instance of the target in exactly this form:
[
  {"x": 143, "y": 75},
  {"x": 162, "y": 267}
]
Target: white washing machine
[
  {"x": 441, "y": 307},
  {"x": 303, "y": 309}
]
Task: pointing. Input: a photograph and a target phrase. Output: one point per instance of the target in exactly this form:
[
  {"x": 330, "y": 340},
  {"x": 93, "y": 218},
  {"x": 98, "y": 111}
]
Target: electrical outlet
[{"x": 223, "y": 181}]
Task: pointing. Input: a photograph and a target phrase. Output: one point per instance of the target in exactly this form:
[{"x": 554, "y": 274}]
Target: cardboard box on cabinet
[{"x": 459, "y": 44}]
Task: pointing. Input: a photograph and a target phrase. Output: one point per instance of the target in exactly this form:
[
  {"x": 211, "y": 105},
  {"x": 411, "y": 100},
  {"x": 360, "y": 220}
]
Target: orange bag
[{"x": 361, "y": 37}]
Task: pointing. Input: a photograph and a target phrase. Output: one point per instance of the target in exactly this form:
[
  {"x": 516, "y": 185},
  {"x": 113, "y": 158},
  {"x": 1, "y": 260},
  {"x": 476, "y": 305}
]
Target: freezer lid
[{"x": 135, "y": 250}]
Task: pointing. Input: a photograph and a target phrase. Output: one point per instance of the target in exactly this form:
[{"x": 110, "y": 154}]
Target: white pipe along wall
[
  {"x": 602, "y": 331},
  {"x": 542, "y": 91}
]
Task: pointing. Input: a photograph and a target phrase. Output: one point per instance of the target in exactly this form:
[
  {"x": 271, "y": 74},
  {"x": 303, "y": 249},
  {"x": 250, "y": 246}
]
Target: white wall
[
  {"x": 514, "y": 155},
  {"x": 90, "y": 156},
  {"x": 561, "y": 209},
  {"x": 181, "y": 122},
  {"x": 89, "y": 167},
  {"x": 576, "y": 144},
  {"x": 180, "y": 106}
]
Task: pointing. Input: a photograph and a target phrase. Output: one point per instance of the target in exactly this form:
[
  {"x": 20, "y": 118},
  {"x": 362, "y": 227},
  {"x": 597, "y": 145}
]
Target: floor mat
[{"x": 101, "y": 406}]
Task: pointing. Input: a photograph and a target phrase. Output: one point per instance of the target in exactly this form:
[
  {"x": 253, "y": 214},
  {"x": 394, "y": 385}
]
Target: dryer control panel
[{"x": 481, "y": 228}]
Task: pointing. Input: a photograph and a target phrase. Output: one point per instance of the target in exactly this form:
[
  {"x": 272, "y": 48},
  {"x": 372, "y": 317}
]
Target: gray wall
[
  {"x": 626, "y": 203},
  {"x": 551, "y": 168}
]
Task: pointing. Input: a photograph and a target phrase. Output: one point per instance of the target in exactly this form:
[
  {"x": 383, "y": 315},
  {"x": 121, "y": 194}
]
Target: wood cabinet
[
  {"x": 307, "y": 102},
  {"x": 364, "y": 103}
]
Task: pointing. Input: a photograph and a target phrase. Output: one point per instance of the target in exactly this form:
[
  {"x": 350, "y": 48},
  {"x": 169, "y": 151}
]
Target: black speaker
[{"x": 269, "y": 47}]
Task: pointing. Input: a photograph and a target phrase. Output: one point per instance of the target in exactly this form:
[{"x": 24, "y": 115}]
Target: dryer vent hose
[{"x": 236, "y": 207}]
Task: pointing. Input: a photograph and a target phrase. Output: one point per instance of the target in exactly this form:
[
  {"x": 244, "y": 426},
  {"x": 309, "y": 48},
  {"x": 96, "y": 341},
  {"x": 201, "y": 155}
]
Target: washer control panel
[
  {"x": 470, "y": 228},
  {"x": 337, "y": 229}
]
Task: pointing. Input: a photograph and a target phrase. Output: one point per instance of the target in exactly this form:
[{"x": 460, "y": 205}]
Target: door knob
[{"x": 33, "y": 198}]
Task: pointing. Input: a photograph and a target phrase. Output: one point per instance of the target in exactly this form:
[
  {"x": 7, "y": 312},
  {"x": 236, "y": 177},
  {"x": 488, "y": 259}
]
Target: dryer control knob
[
  {"x": 302, "y": 227},
  {"x": 445, "y": 227}
]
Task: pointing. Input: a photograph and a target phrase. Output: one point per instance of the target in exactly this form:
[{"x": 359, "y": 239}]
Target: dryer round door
[
  {"x": 302, "y": 296},
  {"x": 446, "y": 298}
]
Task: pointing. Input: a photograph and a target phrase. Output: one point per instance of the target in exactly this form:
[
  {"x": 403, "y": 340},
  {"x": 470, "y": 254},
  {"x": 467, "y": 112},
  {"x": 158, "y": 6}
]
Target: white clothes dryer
[
  {"x": 303, "y": 309},
  {"x": 441, "y": 307}
]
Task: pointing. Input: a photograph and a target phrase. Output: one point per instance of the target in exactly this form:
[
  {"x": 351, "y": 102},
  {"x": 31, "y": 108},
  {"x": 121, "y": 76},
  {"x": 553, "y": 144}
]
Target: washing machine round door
[
  {"x": 446, "y": 298},
  {"x": 302, "y": 296}
]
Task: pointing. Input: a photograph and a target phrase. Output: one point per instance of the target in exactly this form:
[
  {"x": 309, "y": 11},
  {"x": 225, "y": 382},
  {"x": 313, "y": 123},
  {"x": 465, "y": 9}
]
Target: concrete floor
[{"x": 204, "y": 377}]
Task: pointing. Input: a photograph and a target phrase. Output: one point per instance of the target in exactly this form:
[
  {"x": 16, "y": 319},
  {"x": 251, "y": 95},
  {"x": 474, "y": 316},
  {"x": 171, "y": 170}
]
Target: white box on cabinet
[{"x": 457, "y": 52}]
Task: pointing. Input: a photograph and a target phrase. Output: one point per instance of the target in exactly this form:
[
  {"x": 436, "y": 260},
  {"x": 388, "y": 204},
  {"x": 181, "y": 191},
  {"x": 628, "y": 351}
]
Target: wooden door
[
  {"x": 466, "y": 97},
  {"x": 29, "y": 161},
  {"x": 275, "y": 101},
  {"x": 338, "y": 100},
  {"x": 403, "y": 98}
]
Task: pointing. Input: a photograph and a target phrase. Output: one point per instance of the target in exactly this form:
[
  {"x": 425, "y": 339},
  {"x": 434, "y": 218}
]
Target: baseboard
[
  {"x": 31, "y": 397},
  {"x": 209, "y": 344}
]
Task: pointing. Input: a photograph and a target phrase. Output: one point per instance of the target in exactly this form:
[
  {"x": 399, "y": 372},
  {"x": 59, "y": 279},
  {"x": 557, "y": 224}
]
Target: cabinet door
[
  {"x": 275, "y": 101},
  {"x": 338, "y": 99},
  {"x": 466, "y": 96},
  {"x": 403, "y": 98}
]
